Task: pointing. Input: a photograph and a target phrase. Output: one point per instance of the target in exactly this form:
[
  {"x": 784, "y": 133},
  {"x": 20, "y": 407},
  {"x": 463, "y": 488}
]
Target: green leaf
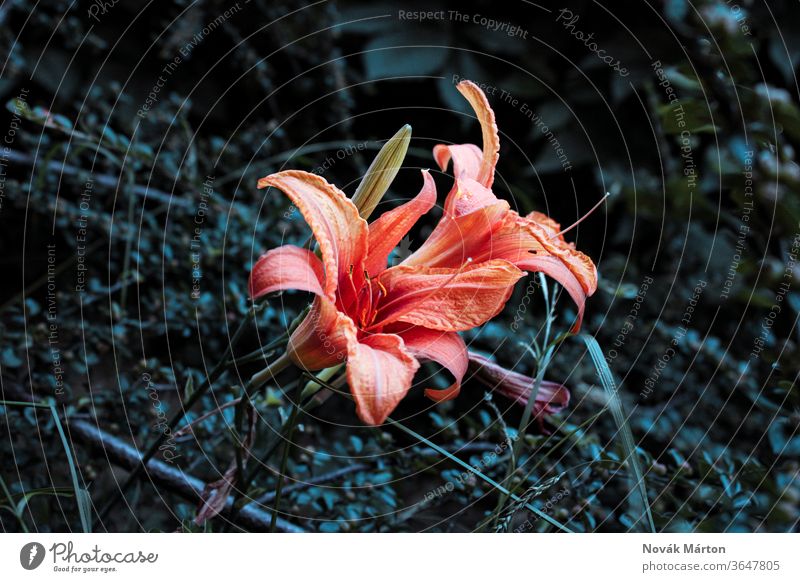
[{"x": 615, "y": 404}]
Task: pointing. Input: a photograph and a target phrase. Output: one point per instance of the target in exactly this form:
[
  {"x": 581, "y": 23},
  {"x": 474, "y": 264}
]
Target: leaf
[
  {"x": 81, "y": 495},
  {"x": 615, "y": 404}
]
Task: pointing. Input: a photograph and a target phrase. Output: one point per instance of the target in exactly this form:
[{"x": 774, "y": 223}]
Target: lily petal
[
  {"x": 446, "y": 349},
  {"x": 284, "y": 268},
  {"x": 386, "y": 232},
  {"x": 447, "y": 299},
  {"x": 467, "y": 159},
  {"x": 380, "y": 371},
  {"x": 557, "y": 270},
  {"x": 338, "y": 229},
  {"x": 320, "y": 340},
  {"x": 464, "y": 157},
  {"x": 551, "y": 398},
  {"x": 457, "y": 239}
]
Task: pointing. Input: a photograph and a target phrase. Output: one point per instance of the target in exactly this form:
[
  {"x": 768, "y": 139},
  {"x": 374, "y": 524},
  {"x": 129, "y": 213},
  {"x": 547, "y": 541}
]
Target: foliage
[{"x": 155, "y": 218}]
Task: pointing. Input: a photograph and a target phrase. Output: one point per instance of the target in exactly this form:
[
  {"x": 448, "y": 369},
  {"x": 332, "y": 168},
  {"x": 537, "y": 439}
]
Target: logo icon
[{"x": 31, "y": 555}]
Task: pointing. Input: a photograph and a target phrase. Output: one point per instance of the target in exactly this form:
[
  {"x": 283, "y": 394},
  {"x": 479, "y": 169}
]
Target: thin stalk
[
  {"x": 291, "y": 424},
  {"x": 480, "y": 475},
  {"x": 544, "y": 361}
]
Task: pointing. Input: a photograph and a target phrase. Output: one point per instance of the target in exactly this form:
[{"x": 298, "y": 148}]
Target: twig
[{"x": 175, "y": 480}]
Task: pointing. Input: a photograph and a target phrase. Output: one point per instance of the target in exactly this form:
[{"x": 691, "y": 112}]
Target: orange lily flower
[
  {"x": 381, "y": 320},
  {"x": 477, "y": 224}
]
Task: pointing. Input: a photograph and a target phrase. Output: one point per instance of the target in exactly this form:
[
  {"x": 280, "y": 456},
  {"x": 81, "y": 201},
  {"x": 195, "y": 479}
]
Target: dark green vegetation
[{"x": 133, "y": 139}]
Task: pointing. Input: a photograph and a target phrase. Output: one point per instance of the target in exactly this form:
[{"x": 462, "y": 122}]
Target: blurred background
[{"x": 133, "y": 137}]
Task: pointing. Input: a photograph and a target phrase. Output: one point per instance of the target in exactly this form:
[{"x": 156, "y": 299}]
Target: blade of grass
[
  {"x": 11, "y": 507},
  {"x": 615, "y": 404},
  {"x": 81, "y": 495},
  {"x": 480, "y": 475}
]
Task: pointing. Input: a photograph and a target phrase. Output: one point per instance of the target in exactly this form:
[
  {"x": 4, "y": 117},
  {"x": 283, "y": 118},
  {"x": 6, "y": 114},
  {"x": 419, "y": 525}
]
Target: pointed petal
[
  {"x": 459, "y": 238},
  {"x": 386, "y": 232},
  {"x": 284, "y": 268},
  {"x": 531, "y": 244},
  {"x": 468, "y": 196},
  {"x": 491, "y": 140},
  {"x": 551, "y": 398},
  {"x": 320, "y": 340},
  {"x": 468, "y": 160},
  {"x": 446, "y": 349},
  {"x": 557, "y": 270},
  {"x": 338, "y": 229},
  {"x": 447, "y": 299},
  {"x": 380, "y": 371}
]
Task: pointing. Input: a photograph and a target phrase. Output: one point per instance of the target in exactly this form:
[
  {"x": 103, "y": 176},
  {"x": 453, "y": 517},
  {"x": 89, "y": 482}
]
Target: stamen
[
  {"x": 582, "y": 218},
  {"x": 352, "y": 286}
]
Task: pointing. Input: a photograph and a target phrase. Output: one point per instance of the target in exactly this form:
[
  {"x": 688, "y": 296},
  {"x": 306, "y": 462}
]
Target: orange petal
[
  {"x": 386, "y": 232},
  {"x": 380, "y": 371},
  {"x": 531, "y": 244},
  {"x": 468, "y": 196},
  {"x": 467, "y": 159},
  {"x": 320, "y": 339},
  {"x": 446, "y": 349},
  {"x": 459, "y": 238},
  {"x": 491, "y": 139},
  {"x": 556, "y": 269},
  {"x": 447, "y": 299},
  {"x": 338, "y": 229},
  {"x": 284, "y": 268},
  {"x": 551, "y": 398}
]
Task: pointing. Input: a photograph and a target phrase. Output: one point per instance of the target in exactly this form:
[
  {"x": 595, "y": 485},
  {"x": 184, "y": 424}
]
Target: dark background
[{"x": 285, "y": 85}]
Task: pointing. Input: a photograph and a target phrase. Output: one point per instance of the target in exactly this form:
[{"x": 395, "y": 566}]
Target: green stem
[
  {"x": 546, "y": 355},
  {"x": 292, "y": 422},
  {"x": 480, "y": 475}
]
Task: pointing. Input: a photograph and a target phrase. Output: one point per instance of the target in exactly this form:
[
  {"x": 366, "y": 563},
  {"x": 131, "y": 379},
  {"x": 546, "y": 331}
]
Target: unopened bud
[{"x": 381, "y": 172}]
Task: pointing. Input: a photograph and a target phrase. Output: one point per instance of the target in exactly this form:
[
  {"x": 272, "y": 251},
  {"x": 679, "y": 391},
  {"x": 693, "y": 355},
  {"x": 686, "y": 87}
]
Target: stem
[
  {"x": 284, "y": 461},
  {"x": 477, "y": 473},
  {"x": 544, "y": 362}
]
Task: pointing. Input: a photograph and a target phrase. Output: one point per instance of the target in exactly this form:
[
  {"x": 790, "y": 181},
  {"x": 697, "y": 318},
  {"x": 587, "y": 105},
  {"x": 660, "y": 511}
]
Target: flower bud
[{"x": 381, "y": 172}]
